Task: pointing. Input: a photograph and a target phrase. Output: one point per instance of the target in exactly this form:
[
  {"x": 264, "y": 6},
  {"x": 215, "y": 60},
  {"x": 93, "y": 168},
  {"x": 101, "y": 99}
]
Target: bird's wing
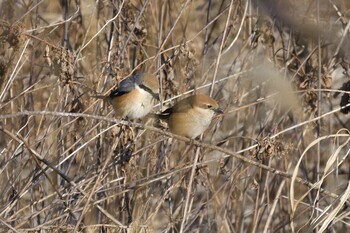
[
  {"x": 125, "y": 86},
  {"x": 183, "y": 105}
]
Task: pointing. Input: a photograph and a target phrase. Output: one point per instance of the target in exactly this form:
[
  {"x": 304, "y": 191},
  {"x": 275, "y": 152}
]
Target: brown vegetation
[{"x": 276, "y": 161}]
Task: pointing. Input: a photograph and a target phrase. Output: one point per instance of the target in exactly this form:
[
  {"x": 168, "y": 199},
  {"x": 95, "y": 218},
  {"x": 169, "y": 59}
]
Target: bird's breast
[
  {"x": 191, "y": 123},
  {"x": 135, "y": 104}
]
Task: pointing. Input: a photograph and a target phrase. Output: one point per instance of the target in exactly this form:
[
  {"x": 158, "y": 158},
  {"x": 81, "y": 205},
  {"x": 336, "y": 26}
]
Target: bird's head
[{"x": 149, "y": 83}]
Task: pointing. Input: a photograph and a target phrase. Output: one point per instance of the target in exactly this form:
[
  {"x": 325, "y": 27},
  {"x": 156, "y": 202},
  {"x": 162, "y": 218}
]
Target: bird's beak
[
  {"x": 156, "y": 96},
  {"x": 218, "y": 111}
]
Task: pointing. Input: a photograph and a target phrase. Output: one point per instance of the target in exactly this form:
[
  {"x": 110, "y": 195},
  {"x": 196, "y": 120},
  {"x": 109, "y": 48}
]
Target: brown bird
[{"x": 191, "y": 116}]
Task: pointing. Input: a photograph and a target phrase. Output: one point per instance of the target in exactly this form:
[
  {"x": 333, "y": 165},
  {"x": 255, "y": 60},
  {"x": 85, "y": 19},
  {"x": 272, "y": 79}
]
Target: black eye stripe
[{"x": 148, "y": 90}]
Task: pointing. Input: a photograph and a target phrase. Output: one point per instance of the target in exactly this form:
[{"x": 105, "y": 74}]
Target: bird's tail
[
  {"x": 156, "y": 119},
  {"x": 165, "y": 114},
  {"x": 102, "y": 97},
  {"x": 98, "y": 96},
  {"x": 162, "y": 116}
]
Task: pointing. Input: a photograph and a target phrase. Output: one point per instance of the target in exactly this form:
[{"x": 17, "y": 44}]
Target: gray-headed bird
[{"x": 135, "y": 96}]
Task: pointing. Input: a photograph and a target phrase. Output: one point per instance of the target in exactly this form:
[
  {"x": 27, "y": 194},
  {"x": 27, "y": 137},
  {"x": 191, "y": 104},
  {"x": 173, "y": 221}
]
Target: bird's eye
[{"x": 209, "y": 106}]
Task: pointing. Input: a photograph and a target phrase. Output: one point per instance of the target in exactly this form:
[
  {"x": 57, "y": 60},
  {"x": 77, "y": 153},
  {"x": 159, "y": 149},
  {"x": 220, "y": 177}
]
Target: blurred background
[{"x": 278, "y": 68}]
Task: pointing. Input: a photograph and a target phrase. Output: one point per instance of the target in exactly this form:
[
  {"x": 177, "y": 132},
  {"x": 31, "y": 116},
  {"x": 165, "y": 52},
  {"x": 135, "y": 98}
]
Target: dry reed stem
[{"x": 67, "y": 165}]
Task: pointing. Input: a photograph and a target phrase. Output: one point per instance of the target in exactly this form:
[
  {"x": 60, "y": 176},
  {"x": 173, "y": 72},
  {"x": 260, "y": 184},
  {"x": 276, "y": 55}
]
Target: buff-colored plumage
[{"x": 191, "y": 116}]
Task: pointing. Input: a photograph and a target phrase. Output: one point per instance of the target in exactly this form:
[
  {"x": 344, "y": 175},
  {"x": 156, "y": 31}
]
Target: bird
[
  {"x": 134, "y": 97},
  {"x": 191, "y": 116}
]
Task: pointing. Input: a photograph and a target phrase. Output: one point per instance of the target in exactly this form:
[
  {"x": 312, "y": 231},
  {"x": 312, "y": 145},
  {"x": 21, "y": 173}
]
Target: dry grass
[{"x": 276, "y": 161}]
